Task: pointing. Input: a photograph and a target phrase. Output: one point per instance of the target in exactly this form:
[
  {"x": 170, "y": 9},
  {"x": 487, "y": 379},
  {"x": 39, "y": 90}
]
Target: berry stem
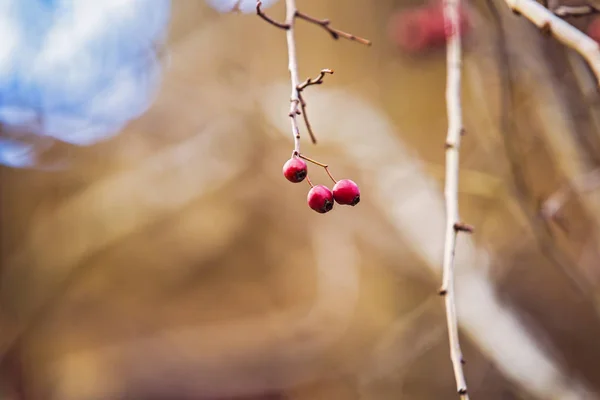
[
  {"x": 329, "y": 173},
  {"x": 320, "y": 164},
  {"x": 309, "y": 182},
  {"x": 324, "y": 166}
]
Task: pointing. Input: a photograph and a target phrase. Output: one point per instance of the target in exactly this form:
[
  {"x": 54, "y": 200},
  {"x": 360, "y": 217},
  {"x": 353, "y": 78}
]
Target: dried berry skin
[
  {"x": 295, "y": 170},
  {"x": 320, "y": 199},
  {"x": 346, "y": 192}
]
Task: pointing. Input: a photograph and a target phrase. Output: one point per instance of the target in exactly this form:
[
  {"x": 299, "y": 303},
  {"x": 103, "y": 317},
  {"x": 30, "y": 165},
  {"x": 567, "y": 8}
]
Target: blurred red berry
[
  {"x": 423, "y": 28},
  {"x": 593, "y": 29},
  {"x": 320, "y": 199},
  {"x": 295, "y": 170},
  {"x": 346, "y": 192}
]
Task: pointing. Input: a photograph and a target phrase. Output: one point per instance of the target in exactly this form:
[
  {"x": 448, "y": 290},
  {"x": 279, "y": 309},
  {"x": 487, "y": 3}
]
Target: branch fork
[{"x": 297, "y": 103}]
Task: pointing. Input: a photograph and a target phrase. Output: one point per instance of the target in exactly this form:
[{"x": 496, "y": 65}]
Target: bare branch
[
  {"x": 453, "y": 224},
  {"x": 296, "y": 99},
  {"x": 335, "y": 33}
]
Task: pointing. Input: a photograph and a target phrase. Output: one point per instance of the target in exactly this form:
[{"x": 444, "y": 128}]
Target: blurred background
[{"x": 173, "y": 260}]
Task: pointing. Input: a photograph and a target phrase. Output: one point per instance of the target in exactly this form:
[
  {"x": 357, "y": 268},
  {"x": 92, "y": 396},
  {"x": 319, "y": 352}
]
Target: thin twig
[
  {"x": 313, "y": 138},
  {"x": 453, "y": 224},
  {"x": 316, "y": 81},
  {"x": 270, "y": 20},
  {"x": 564, "y": 32},
  {"x": 335, "y": 33}
]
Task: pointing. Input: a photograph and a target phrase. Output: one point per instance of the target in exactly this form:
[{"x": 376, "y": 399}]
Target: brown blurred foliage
[{"x": 174, "y": 262}]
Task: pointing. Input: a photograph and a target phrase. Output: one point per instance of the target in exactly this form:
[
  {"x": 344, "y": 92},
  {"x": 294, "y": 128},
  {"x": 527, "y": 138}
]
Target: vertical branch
[
  {"x": 453, "y": 226},
  {"x": 290, "y": 17}
]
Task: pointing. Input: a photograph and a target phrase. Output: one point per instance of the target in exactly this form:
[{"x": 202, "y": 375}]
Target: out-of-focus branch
[
  {"x": 551, "y": 206},
  {"x": 574, "y": 11},
  {"x": 560, "y": 29},
  {"x": 453, "y": 224}
]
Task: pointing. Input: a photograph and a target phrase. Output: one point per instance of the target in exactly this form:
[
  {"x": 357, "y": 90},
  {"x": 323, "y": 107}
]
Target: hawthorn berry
[
  {"x": 346, "y": 192},
  {"x": 295, "y": 170},
  {"x": 320, "y": 199}
]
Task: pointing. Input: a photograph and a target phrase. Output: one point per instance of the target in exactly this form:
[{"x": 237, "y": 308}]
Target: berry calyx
[
  {"x": 320, "y": 199},
  {"x": 346, "y": 192},
  {"x": 295, "y": 170}
]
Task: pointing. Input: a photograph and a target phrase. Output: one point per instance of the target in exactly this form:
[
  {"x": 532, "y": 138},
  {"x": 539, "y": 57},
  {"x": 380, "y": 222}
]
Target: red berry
[
  {"x": 295, "y": 170},
  {"x": 409, "y": 30},
  {"x": 419, "y": 29},
  {"x": 346, "y": 192},
  {"x": 320, "y": 199}
]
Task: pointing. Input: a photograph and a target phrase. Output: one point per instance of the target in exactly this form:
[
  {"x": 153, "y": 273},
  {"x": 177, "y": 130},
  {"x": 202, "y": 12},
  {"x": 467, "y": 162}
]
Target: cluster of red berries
[
  {"x": 420, "y": 29},
  {"x": 320, "y": 198}
]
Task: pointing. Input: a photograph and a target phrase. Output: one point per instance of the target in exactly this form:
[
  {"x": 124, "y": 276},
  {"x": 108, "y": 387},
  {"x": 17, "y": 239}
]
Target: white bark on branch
[
  {"x": 290, "y": 16},
  {"x": 454, "y": 110}
]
